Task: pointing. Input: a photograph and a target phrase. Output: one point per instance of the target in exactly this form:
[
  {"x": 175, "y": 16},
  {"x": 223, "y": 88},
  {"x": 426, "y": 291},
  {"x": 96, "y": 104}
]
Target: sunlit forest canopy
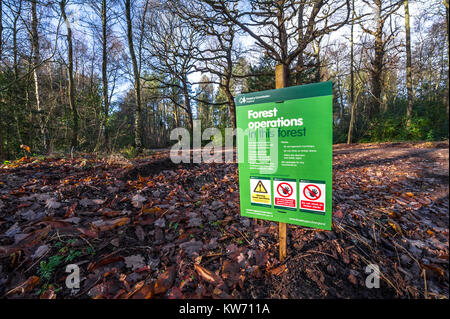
[{"x": 119, "y": 75}]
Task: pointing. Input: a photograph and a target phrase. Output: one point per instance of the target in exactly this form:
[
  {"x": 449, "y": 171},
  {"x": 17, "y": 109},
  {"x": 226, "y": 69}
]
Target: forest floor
[{"x": 149, "y": 228}]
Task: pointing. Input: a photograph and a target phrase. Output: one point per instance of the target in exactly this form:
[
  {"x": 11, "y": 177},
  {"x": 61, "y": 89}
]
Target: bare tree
[
  {"x": 273, "y": 25},
  {"x": 105, "y": 92},
  {"x": 104, "y": 73},
  {"x": 15, "y": 44},
  {"x": 2, "y": 155},
  {"x": 71, "y": 93},
  {"x": 36, "y": 61},
  {"x": 1, "y": 29},
  {"x": 382, "y": 40},
  {"x": 409, "y": 84},
  {"x": 219, "y": 55},
  {"x": 137, "y": 76},
  {"x": 352, "y": 78},
  {"x": 172, "y": 47},
  {"x": 446, "y": 4}
]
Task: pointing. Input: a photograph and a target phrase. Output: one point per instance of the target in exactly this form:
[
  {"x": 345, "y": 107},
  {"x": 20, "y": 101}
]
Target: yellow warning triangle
[{"x": 260, "y": 188}]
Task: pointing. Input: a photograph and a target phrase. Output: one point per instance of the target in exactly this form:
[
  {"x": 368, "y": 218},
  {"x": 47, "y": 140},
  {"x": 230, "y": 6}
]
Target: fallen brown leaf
[
  {"x": 279, "y": 270},
  {"x": 165, "y": 281},
  {"x": 25, "y": 287},
  {"x": 207, "y": 275}
]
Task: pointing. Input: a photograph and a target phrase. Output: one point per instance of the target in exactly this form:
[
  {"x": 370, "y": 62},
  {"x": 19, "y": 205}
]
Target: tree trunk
[
  {"x": 14, "y": 35},
  {"x": 104, "y": 121},
  {"x": 377, "y": 64},
  {"x": 175, "y": 107},
  {"x": 283, "y": 38},
  {"x": 352, "y": 79},
  {"x": 187, "y": 104},
  {"x": 228, "y": 93},
  {"x": 409, "y": 87},
  {"x": 2, "y": 155},
  {"x": 446, "y": 99},
  {"x": 16, "y": 76},
  {"x": 72, "y": 103},
  {"x": 36, "y": 58},
  {"x": 137, "y": 82},
  {"x": 1, "y": 29},
  {"x": 231, "y": 107},
  {"x": 317, "y": 56},
  {"x": 300, "y": 61}
]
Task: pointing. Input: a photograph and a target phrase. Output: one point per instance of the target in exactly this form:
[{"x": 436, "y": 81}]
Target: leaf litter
[{"x": 150, "y": 228}]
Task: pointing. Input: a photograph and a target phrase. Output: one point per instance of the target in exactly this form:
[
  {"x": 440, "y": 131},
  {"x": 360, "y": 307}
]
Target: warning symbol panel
[
  {"x": 285, "y": 193},
  {"x": 260, "y": 191},
  {"x": 312, "y": 196},
  {"x": 260, "y": 188}
]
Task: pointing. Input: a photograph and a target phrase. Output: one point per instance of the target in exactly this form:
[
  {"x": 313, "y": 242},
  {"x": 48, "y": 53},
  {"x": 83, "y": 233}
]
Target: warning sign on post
[
  {"x": 285, "y": 193},
  {"x": 260, "y": 191},
  {"x": 312, "y": 196},
  {"x": 285, "y": 136}
]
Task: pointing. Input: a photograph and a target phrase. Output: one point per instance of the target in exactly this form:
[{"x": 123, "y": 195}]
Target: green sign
[{"x": 285, "y": 139}]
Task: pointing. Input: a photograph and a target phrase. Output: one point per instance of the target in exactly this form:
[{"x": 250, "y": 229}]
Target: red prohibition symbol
[
  {"x": 284, "y": 190},
  {"x": 312, "y": 192}
]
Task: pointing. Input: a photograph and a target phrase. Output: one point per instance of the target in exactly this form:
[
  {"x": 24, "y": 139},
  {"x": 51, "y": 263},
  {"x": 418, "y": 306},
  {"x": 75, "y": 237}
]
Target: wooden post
[
  {"x": 279, "y": 77},
  {"x": 282, "y": 227}
]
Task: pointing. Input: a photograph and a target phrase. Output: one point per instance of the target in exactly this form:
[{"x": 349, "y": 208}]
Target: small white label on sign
[
  {"x": 312, "y": 196},
  {"x": 285, "y": 194}
]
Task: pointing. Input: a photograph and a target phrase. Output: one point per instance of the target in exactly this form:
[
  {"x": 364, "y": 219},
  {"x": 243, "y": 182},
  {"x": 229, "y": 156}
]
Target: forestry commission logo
[{"x": 252, "y": 99}]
